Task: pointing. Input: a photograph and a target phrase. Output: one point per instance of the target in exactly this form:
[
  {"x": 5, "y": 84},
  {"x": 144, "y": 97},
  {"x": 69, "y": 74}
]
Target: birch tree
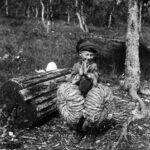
[
  {"x": 6, "y": 5},
  {"x": 114, "y": 4},
  {"x": 80, "y": 16},
  {"x": 132, "y": 69},
  {"x": 43, "y": 11}
]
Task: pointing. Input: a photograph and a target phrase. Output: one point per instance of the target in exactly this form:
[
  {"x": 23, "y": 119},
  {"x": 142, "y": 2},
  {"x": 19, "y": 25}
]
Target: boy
[
  {"x": 71, "y": 96},
  {"x": 85, "y": 73},
  {"x": 84, "y": 102}
]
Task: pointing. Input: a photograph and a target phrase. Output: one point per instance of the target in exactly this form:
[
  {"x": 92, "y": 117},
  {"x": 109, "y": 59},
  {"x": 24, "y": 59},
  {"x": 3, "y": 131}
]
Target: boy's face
[{"x": 86, "y": 56}]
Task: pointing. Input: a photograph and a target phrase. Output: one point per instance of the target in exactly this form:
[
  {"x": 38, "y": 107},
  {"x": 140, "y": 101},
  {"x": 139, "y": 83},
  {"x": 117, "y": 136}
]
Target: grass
[{"x": 35, "y": 47}]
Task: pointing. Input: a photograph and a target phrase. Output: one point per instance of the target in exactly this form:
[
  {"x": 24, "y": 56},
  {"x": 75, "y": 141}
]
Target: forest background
[{"x": 35, "y": 32}]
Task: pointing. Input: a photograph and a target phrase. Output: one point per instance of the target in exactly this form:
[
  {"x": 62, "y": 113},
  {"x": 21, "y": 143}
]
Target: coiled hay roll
[
  {"x": 98, "y": 103},
  {"x": 70, "y": 102}
]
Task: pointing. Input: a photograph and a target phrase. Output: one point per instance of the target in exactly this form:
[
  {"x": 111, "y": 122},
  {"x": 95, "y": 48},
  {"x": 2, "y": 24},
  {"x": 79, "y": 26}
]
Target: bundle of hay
[
  {"x": 95, "y": 107},
  {"x": 70, "y": 102},
  {"x": 98, "y": 104}
]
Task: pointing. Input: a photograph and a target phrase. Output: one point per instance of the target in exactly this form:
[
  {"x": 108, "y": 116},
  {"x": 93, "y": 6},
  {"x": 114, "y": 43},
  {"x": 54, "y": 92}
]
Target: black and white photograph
[{"x": 74, "y": 74}]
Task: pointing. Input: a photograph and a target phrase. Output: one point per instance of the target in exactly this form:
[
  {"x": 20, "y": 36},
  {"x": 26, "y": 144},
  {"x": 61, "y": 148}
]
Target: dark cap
[{"x": 87, "y": 45}]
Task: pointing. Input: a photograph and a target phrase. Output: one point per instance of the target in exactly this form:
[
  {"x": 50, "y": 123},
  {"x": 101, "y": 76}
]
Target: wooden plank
[
  {"x": 50, "y": 76},
  {"x": 26, "y": 81},
  {"x": 46, "y": 104},
  {"x": 45, "y": 97},
  {"x": 38, "y": 89},
  {"x": 47, "y": 111}
]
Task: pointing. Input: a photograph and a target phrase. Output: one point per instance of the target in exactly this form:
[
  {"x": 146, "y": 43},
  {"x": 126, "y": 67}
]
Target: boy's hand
[
  {"x": 81, "y": 70},
  {"x": 85, "y": 67},
  {"x": 94, "y": 79}
]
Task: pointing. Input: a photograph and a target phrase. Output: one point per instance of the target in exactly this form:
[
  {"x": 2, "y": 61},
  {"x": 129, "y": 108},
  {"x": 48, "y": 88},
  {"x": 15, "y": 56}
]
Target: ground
[
  {"x": 26, "y": 47},
  {"x": 55, "y": 134}
]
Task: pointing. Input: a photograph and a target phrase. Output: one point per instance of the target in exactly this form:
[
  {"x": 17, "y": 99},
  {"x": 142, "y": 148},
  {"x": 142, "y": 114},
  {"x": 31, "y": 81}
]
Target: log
[{"x": 28, "y": 99}]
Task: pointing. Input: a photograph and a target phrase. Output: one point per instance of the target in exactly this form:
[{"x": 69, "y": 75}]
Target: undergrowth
[{"x": 26, "y": 45}]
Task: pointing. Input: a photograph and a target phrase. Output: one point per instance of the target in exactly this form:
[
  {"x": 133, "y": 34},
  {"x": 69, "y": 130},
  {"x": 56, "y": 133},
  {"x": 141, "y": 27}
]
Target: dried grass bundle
[
  {"x": 95, "y": 107},
  {"x": 98, "y": 103},
  {"x": 70, "y": 102}
]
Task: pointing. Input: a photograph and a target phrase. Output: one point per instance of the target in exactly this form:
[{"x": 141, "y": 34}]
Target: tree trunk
[
  {"x": 50, "y": 12},
  {"x": 111, "y": 13},
  {"x": 28, "y": 12},
  {"x": 47, "y": 12},
  {"x": 36, "y": 12},
  {"x": 31, "y": 98},
  {"x": 115, "y": 2},
  {"x": 6, "y": 5},
  {"x": 80, "y": 21},
  {"x": 43, "y": 11},
  {"x": 81, "y": 17},
  {"x": 110, "y": 19},
  {"x": 33, "y": 10},
  {"x": 132, "y": 70},
  {"x": 140, "y": 14},
  {"x": 68, "y": 14},
  {"x": 18, "y": 9}
]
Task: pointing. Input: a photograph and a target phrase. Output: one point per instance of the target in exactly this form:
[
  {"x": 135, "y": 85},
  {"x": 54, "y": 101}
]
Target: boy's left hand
[{"x": 94, "y": 79}]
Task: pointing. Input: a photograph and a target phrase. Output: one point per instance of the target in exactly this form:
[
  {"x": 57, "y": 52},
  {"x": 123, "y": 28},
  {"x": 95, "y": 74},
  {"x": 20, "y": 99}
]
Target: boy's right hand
[
  {"x": 81, "y": 70},
  {"x": 85, "y": 68}
]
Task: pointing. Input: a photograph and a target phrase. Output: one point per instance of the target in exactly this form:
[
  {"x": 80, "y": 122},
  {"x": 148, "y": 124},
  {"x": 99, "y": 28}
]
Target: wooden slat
[
  {"x": 49, "y": 110},
  {"x": 46, "y": 104},
  {"x": 50, "y": 76},
  {"x": 41, "y": 77},
  {"x": 45, "y": 97},
  {"x": 38, "y": 89}
]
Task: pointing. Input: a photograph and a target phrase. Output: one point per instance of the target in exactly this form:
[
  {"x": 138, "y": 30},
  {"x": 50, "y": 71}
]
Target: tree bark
[
  {"x": 68, "y": 14},
  {"x": 81, "y": 17},
  {"x": 115, "y": 2},
  {"x": 6, "y": 5},
  {"x": 28, "y": 12},
  {"x": 42, "y": 12},
  {"x": 28, "y": 99},
  {"x": 50, "y": 12},
  {"x": 110, "y": 18},
  {"x": 36, "y": 12},
  {"x": 140, "y": 14},
  {"x": 132, "y": 69}
]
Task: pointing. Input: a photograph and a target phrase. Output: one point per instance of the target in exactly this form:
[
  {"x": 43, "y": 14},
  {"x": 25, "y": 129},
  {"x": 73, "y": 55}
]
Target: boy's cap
[{"x": 86, "y": 45}]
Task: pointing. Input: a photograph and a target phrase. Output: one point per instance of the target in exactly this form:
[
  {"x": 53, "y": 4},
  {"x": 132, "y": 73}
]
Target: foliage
[{"x": 96, "y": 12}]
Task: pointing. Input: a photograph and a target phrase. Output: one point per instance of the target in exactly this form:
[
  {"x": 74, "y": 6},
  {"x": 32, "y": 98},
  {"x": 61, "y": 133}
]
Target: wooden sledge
[{"x": 28, "y": 99}]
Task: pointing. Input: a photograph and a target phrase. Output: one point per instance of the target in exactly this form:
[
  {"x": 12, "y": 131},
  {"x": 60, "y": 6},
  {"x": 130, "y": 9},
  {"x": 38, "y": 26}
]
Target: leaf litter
[{"x": 56, "y": 135}]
